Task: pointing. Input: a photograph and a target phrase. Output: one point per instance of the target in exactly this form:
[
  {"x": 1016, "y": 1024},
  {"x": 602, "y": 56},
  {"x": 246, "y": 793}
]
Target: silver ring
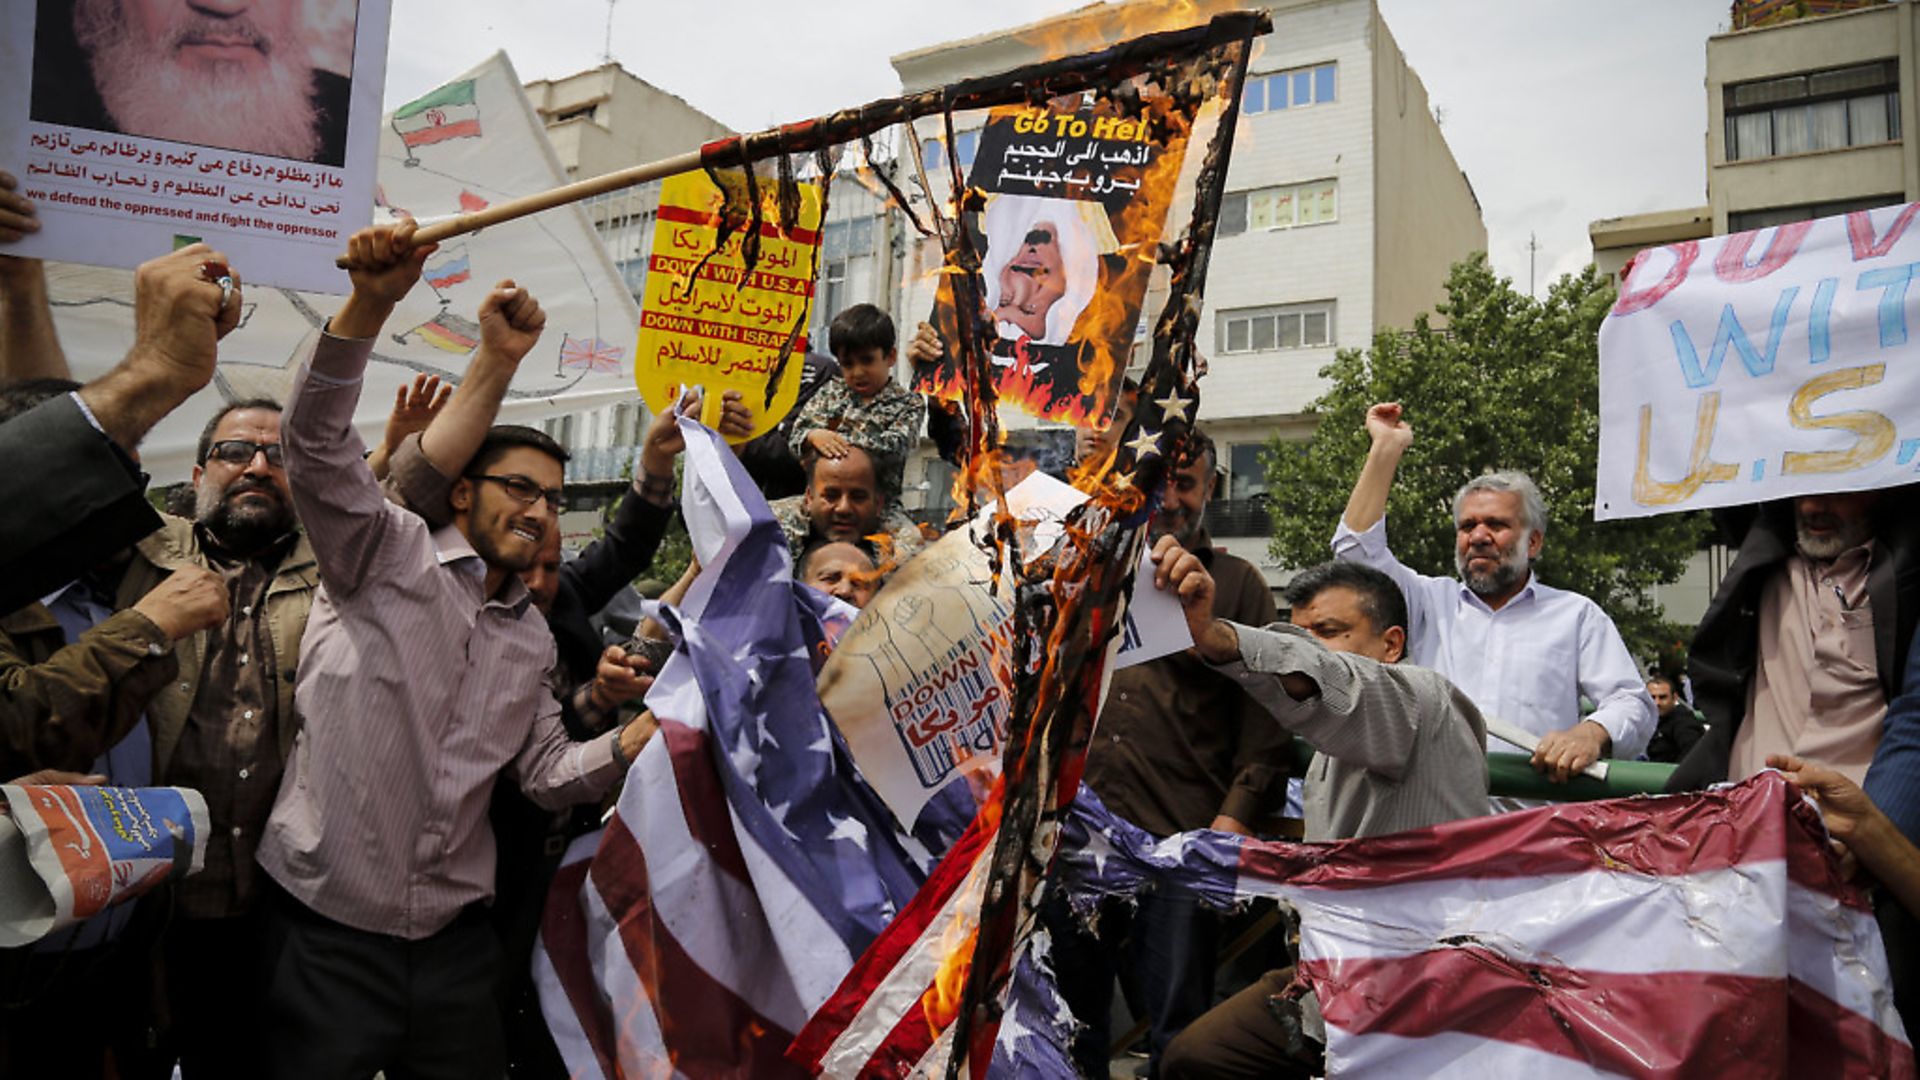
[{"x": 226, "y": 290}]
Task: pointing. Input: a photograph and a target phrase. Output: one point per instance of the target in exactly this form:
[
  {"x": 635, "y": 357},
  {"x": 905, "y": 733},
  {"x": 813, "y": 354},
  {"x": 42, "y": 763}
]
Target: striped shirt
[
  {"x": 1399, "y": 746},
  {"x": 417, "y": 690}
]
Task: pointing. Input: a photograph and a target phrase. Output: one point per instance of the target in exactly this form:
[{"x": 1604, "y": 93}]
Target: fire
[
  {"x": 941, "y": 1002},
  {"x": 1097, "y": 26}
]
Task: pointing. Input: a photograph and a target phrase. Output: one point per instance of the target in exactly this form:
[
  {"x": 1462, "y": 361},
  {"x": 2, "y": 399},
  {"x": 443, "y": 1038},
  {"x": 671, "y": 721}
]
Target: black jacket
[
  {"x": 1723, "y": 656},
  {"x": 73, "y": 498},
  {"x": 587, "y": 583}
]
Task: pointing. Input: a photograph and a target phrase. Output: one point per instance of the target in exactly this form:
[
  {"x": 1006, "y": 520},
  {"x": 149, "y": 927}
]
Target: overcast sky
[{"x": 1560, "y": 112}]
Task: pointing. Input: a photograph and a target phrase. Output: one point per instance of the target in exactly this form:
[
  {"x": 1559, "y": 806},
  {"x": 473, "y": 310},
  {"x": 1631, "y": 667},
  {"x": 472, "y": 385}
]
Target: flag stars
[
  {"x": 848, "y": 829},
  {"x": 1147, "y": 442},
  {"x": 1173, "y": 404}
]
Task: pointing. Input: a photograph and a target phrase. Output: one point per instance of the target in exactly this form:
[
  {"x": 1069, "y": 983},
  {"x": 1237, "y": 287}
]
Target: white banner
[
  {"x": 1762, "y": 365},
  {"x": 474, "y": 141}
]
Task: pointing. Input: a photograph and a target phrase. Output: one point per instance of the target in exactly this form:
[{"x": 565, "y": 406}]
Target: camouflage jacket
[{"x": 888, "y": 427}]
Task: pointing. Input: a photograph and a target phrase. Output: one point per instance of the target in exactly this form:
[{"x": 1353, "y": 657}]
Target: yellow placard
[{"x": 706, "y": 322}]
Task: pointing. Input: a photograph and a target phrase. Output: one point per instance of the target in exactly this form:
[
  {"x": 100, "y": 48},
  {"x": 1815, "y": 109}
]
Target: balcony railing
[{"x": 1239, "y": 517}]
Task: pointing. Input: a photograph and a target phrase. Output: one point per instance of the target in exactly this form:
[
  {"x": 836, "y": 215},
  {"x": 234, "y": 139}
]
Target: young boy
[{"x": 864, "y": 407}]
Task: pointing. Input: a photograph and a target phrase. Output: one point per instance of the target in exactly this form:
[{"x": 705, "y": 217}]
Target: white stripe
[
  {"x": 714, "y": 918},
  {"x": 1616, "y": 921},
  {"x": 639, "y": 1048},
  {"x": 1836, "y": 951},
  {"x": 562, "y": 1022},
  {"x": 814, "y": 956},
  {"x": 909, "y": 978},
  {"x": 1449, "y": 1055}
]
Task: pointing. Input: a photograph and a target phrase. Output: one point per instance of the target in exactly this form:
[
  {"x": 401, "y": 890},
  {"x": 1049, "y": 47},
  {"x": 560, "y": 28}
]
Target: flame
[
  {"x": 1097, "y": 26},
  {"x": 941, "y": 1002}
]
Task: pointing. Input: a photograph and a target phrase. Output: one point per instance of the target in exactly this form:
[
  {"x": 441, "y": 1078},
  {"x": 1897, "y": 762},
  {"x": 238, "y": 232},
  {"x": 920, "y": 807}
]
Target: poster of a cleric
[
  {"x": 1072, "y": 199},
  {"x": 139, "y": 126}
]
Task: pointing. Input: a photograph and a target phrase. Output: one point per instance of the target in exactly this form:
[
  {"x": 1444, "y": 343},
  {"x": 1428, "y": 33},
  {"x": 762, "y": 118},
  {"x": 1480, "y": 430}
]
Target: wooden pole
[
  {"x": 461, "y": 224},
  {"x": 1046, "y": 78}
]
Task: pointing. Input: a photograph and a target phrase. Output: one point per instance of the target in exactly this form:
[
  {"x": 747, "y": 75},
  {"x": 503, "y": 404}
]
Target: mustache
[
  {"x": 205, "y": 29},
  {"x": 245, "y": 485}
]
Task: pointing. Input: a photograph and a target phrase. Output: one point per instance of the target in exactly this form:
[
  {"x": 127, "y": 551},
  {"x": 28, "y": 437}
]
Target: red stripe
[
  {"x": 429, "y": 136},
  {"x": 702, "y": 802},
  {"x": 1669, "y": 1023},
  {"x": 563, "y": 931},
  {"x": 874, "y": 965},
  {"x": 903, "y": 1047},
  {"x": 1664, "y": 836},
  {"x": 708, "y": 1029},
  {"x": 687, "y": 215},
  {"x": 1832, "y": 1040}
]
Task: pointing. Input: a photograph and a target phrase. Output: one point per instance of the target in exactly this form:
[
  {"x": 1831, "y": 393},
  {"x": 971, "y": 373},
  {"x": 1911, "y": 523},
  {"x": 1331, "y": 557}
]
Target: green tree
[{"x": 1510, "y": 382}]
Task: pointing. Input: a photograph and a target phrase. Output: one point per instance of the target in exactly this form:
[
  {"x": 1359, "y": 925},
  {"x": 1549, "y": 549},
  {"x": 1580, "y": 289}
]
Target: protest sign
[
  {"x": 489, "y": 147},
  {"x": 1762, "y": 365},
  {"x": 710, "y": 320},
  {"x": 1075, "y": 207},
  {"x": 69, "y": 853},
  {"x": 138, "y": 127},
  {"x": 918, "y": 685}
]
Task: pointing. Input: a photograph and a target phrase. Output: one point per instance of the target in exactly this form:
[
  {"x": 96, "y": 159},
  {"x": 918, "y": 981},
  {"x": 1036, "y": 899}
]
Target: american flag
[
  {"x": 591, "y": 354},
  {"x": 745, "y": 866}
]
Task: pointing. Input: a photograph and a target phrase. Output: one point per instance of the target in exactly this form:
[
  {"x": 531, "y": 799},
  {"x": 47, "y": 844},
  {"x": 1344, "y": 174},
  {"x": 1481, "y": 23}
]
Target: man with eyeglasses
[
  {"x": 227, "y": 722},
  {"x": 423, "y": 679}
]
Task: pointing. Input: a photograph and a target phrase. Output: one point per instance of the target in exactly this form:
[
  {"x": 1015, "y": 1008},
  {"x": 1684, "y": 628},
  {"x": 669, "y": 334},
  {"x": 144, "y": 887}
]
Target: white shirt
[{"x": 1528, "y": 663}]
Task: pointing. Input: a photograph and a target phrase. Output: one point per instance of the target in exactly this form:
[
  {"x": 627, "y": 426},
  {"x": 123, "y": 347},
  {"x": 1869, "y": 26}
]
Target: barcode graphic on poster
[{"x": 951, "y": 715}]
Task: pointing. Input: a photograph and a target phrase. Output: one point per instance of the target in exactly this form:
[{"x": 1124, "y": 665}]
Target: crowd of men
[{"x": 389, "y": 684}]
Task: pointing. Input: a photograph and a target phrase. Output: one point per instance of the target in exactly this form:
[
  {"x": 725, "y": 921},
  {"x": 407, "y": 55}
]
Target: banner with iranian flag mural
[{"x": 447, "y": 113}]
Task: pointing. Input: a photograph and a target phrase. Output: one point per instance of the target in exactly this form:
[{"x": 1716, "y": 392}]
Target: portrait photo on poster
[
  {"x": 1042, "y": 264},
  {"x": 266, "y": 77}
]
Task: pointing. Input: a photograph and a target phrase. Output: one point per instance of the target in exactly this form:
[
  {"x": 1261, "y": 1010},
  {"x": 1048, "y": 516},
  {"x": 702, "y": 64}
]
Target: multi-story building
[
  {"x": 1805, "y": 118},
  {"x": 1344, "y": 211}
]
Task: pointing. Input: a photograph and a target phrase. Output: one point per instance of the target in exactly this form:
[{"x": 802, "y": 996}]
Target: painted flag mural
[
  {"x": 447, "y": 113},
  {"x": 590, "y": 354},
  {"x": 449, "y": 267}
]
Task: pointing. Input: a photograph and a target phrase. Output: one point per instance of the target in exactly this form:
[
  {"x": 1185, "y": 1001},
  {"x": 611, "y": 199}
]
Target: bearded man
[
  {"x": 226, "y": 723},
  {"x": 233, "y": 74},
  {"x": 1523, "y": 651}
]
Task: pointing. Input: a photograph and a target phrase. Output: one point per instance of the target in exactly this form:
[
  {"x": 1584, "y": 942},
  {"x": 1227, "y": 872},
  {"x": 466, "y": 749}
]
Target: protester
[
  {"x": 414, "y": 407},
  {"x": 238, "y": 74},
  {"x": 840, "y": 569},
  {"x": 1806, "y": 639},
  {"x": 1678, "y": 728},
  {"x": 423, "y": 677},
  {"x": 1524, "y": 651},
  {"x": 76, "y": 683},
  {"x": 864, "y": 408},
  {"x": 1399, "y": 748},
  {"x": 591, "y": 681},
  {"x": 771, "y": 463},
  {"x": 85, "y": 500},
  {"x": 843, "y": 502},
  {"x": 1179, "y": 747}
]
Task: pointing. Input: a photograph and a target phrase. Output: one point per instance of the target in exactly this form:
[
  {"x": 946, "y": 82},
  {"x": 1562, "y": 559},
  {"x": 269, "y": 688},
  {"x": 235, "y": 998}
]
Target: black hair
[
  {"x": 814, "y": 548},
  {"x": 1663, "y": 677},
  {"x": 504, "y": 437},
  {"x": 206, "y": 433},
  {"x": 20, "y": 395},
  {"x": 1381, "y": 601},
  {"x": 859, "y": 328}
]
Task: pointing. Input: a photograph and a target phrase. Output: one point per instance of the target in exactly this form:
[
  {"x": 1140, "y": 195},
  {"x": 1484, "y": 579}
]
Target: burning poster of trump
[{"x": 1071, "y": 206}]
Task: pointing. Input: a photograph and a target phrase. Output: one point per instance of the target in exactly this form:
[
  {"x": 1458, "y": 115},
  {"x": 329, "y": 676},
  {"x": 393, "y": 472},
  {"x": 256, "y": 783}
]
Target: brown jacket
[
  {"x": 62, "y": 705},
  {"x": 289, "y": 598}
]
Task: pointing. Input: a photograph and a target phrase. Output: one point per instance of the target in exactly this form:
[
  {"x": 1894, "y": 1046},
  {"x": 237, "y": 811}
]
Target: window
[
  {"x": 1290, "y": 326},
  {"x": 1293, "y": 89},
  {"x": 1247, "y": 473},
  {"x": 1314, "y": 203},
  {"x": 847, "y": 262},
  {"x": 1822, "y": 110},
  {"x": 1748, "y": 220},
  {"x": 933, "y": 152}
]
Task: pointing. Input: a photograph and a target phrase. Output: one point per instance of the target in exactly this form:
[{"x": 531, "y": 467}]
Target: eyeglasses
[
  {"x": 525, "y": 491},
  {"x": 240, "y": 452}
]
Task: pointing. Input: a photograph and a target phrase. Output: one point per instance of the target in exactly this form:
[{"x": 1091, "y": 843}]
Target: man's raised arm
[{"x": 334, "y": 492}]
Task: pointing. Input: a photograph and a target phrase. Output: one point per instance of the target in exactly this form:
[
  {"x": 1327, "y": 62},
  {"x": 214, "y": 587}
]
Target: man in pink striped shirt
[{"x": 422, "y": 678}]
